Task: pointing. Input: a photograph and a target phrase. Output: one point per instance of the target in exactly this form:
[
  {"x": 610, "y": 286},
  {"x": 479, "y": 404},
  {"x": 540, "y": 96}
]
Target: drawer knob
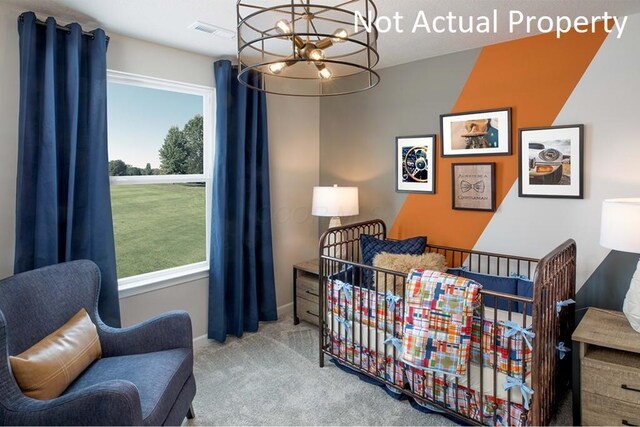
[
  {"x": 627, "y": 423},
  {"x": 626, "y": 387}
]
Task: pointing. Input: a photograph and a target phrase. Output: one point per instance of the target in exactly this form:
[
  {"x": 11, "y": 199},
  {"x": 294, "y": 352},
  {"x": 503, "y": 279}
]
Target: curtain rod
[{"x": 63, "y": 28}]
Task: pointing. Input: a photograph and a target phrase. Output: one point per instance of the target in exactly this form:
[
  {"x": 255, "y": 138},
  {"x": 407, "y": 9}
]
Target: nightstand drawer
[
  {"x": 308, "y": 311},
  {"x": 598, "y": 410},
  {"x": 609, "y": 382},
  {"x": 305, "y": 292},
  {"x": 612, "y": 373},
  {"x": 308, "y": 288}
]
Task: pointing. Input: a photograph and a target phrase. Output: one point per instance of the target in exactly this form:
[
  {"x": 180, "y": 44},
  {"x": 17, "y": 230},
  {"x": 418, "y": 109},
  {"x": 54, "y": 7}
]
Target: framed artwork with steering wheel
[{"x": 415, "y": 164}]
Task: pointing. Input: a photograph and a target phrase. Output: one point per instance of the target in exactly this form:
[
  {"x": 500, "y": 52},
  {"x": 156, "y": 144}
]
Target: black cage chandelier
[{"x": 307, "y": 47}]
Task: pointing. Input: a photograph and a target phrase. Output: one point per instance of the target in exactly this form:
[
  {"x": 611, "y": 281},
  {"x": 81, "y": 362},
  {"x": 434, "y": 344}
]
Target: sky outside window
[{"x": 140, "y": 117}]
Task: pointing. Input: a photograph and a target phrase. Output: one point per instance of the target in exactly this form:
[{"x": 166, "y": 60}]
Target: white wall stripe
[{"x": 605, "y": 101}]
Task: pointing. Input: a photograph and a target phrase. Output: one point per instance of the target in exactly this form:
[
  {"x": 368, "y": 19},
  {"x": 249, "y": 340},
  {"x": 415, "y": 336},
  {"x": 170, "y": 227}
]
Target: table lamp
[
  {"x": 620, "y": 231},
  {"x": 335, "y": 202}
]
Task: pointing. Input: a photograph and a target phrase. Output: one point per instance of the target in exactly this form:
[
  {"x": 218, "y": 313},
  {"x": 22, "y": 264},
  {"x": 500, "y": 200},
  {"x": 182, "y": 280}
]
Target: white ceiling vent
[{"x": 213, "y": 30}]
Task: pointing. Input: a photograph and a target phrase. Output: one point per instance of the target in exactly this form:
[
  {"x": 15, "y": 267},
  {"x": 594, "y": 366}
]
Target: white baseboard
[
  {"x": 285, "y": 310},
  {"x": 199, "y": 342},
  {"x": 202, "y": 340}
]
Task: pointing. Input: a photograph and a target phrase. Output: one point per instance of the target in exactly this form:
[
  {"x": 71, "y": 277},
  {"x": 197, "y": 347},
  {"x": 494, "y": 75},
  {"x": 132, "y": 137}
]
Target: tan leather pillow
[
  {"x": 404, "y": 263},
  {"x": 45, "y": 370}
]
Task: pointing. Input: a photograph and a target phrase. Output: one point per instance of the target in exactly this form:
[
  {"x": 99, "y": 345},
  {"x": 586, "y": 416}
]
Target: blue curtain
[
  {"x": 241, "y": 283},
  {"x": 63, "y": 210}
]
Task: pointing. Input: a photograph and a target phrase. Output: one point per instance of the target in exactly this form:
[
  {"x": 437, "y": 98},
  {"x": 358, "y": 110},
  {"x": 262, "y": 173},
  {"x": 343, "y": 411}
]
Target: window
[{"x": 160, "y": 161}]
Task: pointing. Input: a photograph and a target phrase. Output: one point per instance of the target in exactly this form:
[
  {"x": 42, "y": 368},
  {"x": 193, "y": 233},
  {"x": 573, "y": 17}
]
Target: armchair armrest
[
  {"x": 165, "y": 332},
  {"x": 108, "y": 403}
]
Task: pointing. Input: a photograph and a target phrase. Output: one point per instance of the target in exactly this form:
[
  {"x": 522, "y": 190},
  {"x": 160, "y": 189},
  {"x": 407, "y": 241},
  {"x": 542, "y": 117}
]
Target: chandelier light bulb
[
  {"x": 283, "y": 27},
  {"x": 340, "y": 35},
  {"x": 317, "y": 55},
  {"x": 324, "y": 73},
  {"x": 277, "y": 67}
]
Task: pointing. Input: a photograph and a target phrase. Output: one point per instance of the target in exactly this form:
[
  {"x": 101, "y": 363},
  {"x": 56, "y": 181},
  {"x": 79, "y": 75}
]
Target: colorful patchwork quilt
[
  {"x": 499, "y": 348},
  {"x": 438, "y": 321},
  {"x": 370, "y": 306},
  {"x": 369, "y": 360},
  {"x": 465, "y": 401}
]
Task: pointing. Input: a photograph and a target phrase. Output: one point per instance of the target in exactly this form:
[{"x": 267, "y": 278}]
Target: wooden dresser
[
  {"x": 305, "y": 292},
  {"x": 609, "y": 369}
]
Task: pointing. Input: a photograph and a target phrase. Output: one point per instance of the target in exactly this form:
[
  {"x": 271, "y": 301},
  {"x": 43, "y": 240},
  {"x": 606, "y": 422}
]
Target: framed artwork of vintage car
[
  {"x": 552, "y": 162},
  {"x": 416, "y": 164}
]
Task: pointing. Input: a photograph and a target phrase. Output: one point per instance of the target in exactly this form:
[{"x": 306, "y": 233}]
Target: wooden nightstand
[
  {"x": 305, "y": 292},
  {"x": 609, "y": 369}
]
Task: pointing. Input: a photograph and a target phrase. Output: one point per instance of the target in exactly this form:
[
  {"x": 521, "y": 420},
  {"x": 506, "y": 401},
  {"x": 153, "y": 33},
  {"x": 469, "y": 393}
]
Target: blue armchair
[{"x": 145, "y": 375}]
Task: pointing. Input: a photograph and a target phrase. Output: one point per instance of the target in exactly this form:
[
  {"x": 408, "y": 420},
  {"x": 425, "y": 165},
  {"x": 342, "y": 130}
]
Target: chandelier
[{"x": 307, "y": 47}]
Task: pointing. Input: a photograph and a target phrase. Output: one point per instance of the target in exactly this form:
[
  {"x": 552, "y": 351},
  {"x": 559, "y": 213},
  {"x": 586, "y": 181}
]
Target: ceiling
[{"x": 166, "y": 21}]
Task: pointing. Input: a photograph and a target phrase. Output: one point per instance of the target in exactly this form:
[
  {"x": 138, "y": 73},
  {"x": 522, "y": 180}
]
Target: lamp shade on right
[{"x": 620, "y": 228}]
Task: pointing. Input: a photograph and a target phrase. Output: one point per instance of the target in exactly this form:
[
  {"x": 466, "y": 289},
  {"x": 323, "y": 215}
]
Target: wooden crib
[{"x": 478, "y": 397}]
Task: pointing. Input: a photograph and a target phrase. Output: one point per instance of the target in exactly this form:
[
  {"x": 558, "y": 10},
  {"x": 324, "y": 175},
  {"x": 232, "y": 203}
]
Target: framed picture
[
  {"x": 415, "y": 164},
  {"x": 552, "y": 162},
  {"x": 473, "y": 186},
  {"x": 478, "y": 133}
]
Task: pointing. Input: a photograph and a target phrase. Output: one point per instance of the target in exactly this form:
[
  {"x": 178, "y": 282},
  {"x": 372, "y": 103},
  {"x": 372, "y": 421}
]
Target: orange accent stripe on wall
[{"x": 535, "y": 76}]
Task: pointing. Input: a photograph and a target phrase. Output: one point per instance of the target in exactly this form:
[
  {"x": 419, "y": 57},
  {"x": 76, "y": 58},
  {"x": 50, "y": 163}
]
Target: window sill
[{"x": 150, "y": 282}]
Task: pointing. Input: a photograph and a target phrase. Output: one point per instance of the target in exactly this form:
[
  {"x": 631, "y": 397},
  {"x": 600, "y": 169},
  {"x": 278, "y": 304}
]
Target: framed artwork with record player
[{"x": 415, "y": 164}]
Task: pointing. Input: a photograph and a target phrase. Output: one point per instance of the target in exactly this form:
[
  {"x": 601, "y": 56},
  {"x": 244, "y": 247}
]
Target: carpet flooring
[{"x": 272, "y": 378}]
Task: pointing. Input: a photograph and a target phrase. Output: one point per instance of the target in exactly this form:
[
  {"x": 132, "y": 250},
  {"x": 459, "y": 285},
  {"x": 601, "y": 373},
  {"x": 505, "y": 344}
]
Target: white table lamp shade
[
  {"x": 335, "y": 201},
  {"x": 620, "y": 229}
]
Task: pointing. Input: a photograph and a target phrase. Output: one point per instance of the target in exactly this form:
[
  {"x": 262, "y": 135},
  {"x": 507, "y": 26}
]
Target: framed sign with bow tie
[{"x": 473, "y": 186}]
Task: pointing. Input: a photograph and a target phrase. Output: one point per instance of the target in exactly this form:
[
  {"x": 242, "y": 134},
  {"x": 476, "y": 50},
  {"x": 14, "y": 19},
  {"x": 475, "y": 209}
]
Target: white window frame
[{"x": 147, "y": 282}]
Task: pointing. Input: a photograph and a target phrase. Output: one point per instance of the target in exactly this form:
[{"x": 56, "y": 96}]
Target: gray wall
[
  {"x": 9, "y": 88},
  {"x": 294, "y": 144},
  {"x": 358, "y": 132}
]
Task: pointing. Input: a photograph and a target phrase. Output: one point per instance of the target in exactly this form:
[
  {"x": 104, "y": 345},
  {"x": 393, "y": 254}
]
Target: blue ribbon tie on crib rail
[
  {"x": 565, "y": 303},
  {"x": 392, "y": 299},
  {"x": 514, "y": 329},
  {"x": 519, "y": 276},
  {"x": 344, "y": 322},
  {"x": 397, "y": 342},
  {"x": 562, "y": 349},
  {"x": 348, "y": 289},
  {"x": 524, "y": 389}
]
